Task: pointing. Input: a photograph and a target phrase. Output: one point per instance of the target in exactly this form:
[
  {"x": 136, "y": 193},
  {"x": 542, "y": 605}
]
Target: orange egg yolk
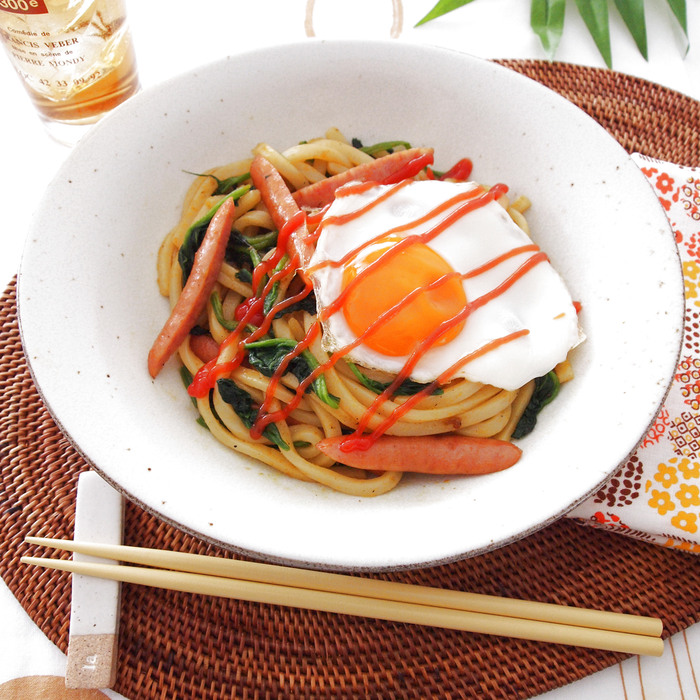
[{"x": 389, "y": 282}]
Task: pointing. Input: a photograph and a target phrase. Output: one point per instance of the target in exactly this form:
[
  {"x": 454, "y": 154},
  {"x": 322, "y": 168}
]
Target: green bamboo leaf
[
  {"x": 547, "y": 21},
  {"x": 595, "y": 15},
  {"x": 632, "y": 13},
  {"x": 442, "y": 8},
  {"x": 679, "y": 10}
]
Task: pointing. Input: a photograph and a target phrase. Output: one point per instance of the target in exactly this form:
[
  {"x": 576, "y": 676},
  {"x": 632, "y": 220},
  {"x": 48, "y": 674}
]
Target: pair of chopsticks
[{"x": 352, "y": 595}]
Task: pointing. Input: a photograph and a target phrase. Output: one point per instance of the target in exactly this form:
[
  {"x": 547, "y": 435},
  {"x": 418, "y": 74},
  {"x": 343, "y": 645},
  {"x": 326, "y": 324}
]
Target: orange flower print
[
  {"x": 689, "y": 470},
  {"x": 688, "y": 495},
  {"x": 664, "y": 183},
  {"x": 666, "y": 476},
  {"x": 649, "y": 171},
  {"x": 661, "y": 500},
  {"x": 685, "y": 521},
  {"x": 691, "y": 269}
]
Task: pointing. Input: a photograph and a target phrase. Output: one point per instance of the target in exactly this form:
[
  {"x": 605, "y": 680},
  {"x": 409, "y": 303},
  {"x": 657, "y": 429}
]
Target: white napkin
[{"x": 655, "y": 496}]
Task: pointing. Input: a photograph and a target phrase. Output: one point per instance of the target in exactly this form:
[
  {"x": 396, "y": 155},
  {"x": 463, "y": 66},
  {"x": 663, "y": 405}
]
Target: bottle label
[
  {"x": 60, "y": 54},
  {"x": 24, "y": 7}
]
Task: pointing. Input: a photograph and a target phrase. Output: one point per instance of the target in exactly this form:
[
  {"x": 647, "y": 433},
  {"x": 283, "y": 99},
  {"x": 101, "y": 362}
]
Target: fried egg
[{"x": 395, "y": 265}]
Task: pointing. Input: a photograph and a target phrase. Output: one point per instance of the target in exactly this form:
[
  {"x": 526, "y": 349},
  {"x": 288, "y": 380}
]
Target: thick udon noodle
[{"x": 463, "y": 407}]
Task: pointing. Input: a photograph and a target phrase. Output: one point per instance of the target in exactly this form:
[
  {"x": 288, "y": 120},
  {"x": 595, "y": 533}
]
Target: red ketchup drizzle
[
  {"x": 460, "y": 171},
  {"x": 242, "y": 310},
  {"x": 472, "y": 202},
  {"x": 359, "y": 188},
  {"x": 283, "y": 236},
  {"x": 359, "y": 441},
  {"x": 209, "y": 373},
  {"x": 460, "y": 211},
  {"x": 206, "y": 377},
  {"x": 265, "y": 418}
]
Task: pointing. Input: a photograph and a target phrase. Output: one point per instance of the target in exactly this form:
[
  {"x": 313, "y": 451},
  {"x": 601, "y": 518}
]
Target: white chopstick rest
[{"x": 94, "y": 618}]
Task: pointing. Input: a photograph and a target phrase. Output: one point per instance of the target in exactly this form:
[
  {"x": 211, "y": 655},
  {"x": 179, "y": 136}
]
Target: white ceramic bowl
[{"x": 90, "y": 309}]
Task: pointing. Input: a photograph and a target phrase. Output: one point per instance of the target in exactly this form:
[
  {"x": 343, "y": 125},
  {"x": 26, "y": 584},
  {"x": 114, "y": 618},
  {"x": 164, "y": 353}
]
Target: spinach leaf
[
  {"x": 242, "y": 403},
  {"x": 386, "y": 146},
  {"x": 195, "y": 234},
  {"x": 190, "y": 246},
  {"x": 267, "y": 355},
  {"x": 271, "y": 298},
  {"x": 308, "y": 304},
  {"x": 244, "y": 275},
  {"x": 383, "y": 146},
  {"x": 546, "y": 390},
  {"x": 263, "y": 241},
  {"x": 406, "y": 388},
  {"x": 224, "y": 186},
  {"x": 230, "y": 183},
  {"x": 186, "y": 377},
  {"x": 240, "y": 253},
  {"x": 241, "y": 244}
]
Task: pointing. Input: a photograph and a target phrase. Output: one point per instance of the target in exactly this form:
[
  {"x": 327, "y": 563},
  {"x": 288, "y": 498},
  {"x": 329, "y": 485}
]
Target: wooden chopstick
[
  {"x": 338, "y": 593},
  {"x": 340, "y": 583}
]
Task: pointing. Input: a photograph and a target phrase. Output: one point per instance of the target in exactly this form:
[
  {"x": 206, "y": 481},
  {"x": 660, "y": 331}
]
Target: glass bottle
[{"x": 75, "y": 58}]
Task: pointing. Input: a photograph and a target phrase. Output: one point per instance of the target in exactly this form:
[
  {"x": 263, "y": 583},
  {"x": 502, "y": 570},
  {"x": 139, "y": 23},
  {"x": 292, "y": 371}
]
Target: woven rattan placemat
[{"x": 175, "y": 645}]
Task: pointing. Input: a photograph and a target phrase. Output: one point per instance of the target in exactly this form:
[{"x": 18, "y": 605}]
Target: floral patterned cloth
[{"x": 655, "y": 496}]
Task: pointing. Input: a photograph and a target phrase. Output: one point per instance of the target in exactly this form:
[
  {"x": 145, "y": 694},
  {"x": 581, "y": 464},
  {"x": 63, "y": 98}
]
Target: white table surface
[{"x": 172, "y": 36}]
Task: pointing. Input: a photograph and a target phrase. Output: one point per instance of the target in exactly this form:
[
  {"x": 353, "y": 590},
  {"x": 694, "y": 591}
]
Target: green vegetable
[
  {"x": 308, "y": 304},
  {"x": 241, "y": 251},
  {"x": 383, "y": 146},
  {"x": 406, "y": 388},
  {"x": 242, "y": 403},
  {"x": 195, "y": 234},
  {"x": 271, "y": 298},
  {"x": 244, "y": 276},
  {"x": 267, "y": 355},
  {"x": 263, "y": 241},
  {"x": 546, "y": 390},
  {"x": 224, "y": 186},
  {"x": 217, "y": 307},
  {"x": 186, "y": 377}
]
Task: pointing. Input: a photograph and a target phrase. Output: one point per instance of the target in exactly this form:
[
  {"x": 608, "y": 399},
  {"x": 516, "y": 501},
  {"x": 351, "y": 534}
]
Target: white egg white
[{"x": 538, "y": 301}]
